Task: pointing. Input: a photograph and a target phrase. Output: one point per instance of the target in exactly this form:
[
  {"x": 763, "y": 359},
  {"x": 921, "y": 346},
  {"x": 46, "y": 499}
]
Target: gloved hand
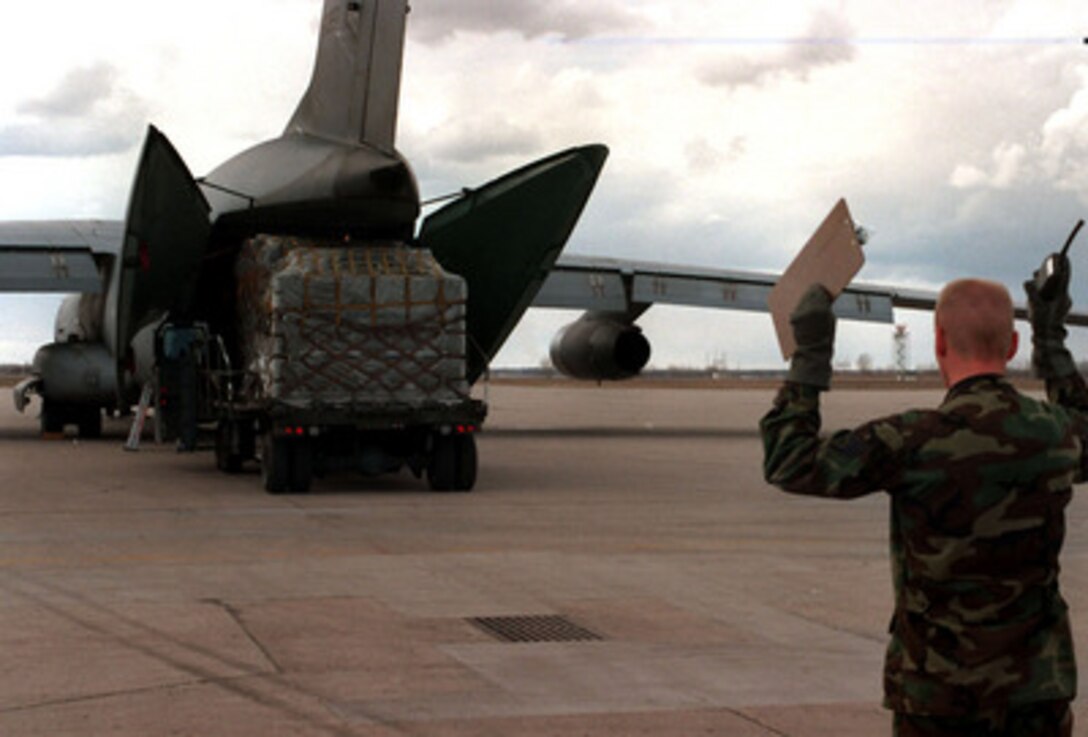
[
  {"x": 814, "y": 331},
  {"x": 1049, "y": 356}
]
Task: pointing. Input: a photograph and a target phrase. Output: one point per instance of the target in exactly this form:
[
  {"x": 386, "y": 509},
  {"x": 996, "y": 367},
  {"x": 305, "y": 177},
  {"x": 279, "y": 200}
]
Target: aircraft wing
[
  {"x": 56, "y": 255},
  {"x": 629, "y": 287}
]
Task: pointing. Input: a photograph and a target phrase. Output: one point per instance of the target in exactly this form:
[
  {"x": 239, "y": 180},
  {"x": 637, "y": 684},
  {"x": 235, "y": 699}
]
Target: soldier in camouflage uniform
[{"x": 980, "y": 638}]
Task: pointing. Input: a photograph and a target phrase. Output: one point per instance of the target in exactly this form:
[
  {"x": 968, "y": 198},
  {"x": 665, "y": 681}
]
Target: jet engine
[
  {"x": 77, "y": 374},
  {"x": 79, "y": 319},
  {"x": 75, "y": 380},
  {"x": 600, "y": 348}
]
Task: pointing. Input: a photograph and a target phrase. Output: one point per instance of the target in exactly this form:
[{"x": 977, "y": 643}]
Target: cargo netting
[{"x": 342, "y": 325}]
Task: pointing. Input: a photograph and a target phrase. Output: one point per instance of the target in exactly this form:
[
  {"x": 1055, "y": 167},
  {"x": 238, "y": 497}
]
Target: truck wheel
[
  {"x": 442, "y": 465},
  {"x": 247, "y": 441},
  {"x": 452, "y": 466},
  {"x": 226, "y": 459},
  {"x": 275, "y": 464},
  {"x": 466, "y": 462},
  {"x": 301, "y": 470}
]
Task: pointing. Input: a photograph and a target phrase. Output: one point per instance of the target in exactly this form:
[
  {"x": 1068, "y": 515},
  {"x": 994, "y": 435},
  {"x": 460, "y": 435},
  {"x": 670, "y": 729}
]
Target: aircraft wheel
[
  {"x": 53, "y": 418},
  {"x": 301, "y": 472},
  {"x": 90, "y": 422},
  {"x": 226, "y": 459},
  {"x": 275, "y": 464}
]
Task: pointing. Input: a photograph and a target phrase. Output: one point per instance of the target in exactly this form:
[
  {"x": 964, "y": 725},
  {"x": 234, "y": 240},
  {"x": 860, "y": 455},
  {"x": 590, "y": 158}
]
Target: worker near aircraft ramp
[{"x": 980, "y": 638}]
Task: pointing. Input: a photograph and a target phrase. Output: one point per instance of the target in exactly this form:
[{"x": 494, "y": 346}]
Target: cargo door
[
  {"x": 166, "y": 235},
  {"x": 504, "y": 238}
]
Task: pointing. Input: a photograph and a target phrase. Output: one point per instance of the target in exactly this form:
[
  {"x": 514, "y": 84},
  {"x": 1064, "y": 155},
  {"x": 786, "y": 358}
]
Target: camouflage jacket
[{"x": 978, "y": 489}]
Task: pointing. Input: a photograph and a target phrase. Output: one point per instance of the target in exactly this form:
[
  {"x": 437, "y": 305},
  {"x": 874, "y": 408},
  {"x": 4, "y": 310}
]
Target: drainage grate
[{"x": 534, "y": 628}]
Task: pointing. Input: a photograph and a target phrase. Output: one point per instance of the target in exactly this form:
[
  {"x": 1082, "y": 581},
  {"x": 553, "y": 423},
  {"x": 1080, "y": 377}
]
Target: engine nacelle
[
  {"x": 77, "y": 373},
  {"x": 599, "y": 348},
  {"x": 79, "y": 319}
]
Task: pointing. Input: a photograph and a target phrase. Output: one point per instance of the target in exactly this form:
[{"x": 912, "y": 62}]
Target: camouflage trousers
[{"x": 1045, "y": 719}]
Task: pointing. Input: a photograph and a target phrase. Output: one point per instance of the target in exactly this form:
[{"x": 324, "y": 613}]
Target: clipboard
[{"x": 832, "y": 257}]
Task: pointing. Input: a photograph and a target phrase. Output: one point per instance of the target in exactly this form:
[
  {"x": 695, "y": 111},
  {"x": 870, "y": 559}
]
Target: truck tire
[
  {"x": 275, "y": 464},
  {"x": 442, "y": 465},
  {"x": 301, "y": 471},
  {"x": 226, "y": 459},
  {"x": 466, "y": 462},
  {"x": 247, "y": 441},
  {"x": 452, "y": 465}
]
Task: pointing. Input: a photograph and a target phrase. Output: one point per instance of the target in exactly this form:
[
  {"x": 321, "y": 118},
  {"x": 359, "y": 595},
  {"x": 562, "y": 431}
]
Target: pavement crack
[
  {"x": 272, "y": 691},
  {"x": 752, "y": 720},
  {"x": 239, "y": 621},
  {"x": 880, "y": 640},
  {"x": 102, "y": 696}
]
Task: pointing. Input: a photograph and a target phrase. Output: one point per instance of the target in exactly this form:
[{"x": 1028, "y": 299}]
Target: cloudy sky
[{"x": 958, "y": 132}]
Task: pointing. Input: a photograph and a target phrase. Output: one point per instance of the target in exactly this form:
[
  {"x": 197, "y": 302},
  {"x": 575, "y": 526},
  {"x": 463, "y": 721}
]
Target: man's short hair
[{"x": 977, "y": 317}]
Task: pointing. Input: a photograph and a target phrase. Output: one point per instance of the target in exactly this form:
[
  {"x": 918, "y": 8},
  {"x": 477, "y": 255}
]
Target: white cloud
[
  {"x": 966, "y": 176},
  {"x": 86, "y": 114},
  {"x": 482, "y": 141},
  {"x": 1064, "y": 146},
  {"x": 78, "y": 93},
  {"x": 1008, "y": 167},
  {"x": 1055, "y": 156},
  {"x": 827, "y": 41},
  {"x": 567, "y": 19}
]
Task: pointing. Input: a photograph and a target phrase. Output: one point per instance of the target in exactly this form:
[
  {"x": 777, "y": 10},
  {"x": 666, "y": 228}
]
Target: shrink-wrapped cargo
[{"x": 344, "y": 325}]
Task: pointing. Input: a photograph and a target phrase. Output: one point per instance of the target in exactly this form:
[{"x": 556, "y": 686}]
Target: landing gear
[
  {"x": 55, "y": 415},
  {"x": 53, "y": 418},
  {"x": 286, "y": 464},
  {"x": 90, "y": 422},
  {"x": 453, "y": 463}
]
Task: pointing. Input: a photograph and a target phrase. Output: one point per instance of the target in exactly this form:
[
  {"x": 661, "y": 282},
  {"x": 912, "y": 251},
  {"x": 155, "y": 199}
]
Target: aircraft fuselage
[{"x": 309, "y": 185}]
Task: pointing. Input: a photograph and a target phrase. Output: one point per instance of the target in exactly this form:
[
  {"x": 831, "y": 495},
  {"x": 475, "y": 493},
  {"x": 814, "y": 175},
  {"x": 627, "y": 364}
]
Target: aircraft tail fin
[{"x": 355, "y": 88}]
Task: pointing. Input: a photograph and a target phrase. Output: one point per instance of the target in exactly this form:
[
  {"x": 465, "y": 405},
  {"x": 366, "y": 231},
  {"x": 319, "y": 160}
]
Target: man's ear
[
  {"x": 940, "y": 341},
  {"x": 1014, "y": 344}
]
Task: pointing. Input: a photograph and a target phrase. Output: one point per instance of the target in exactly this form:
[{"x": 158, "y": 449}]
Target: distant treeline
[
  {"x": 705, "y": 373},
  {"x": 1017, "y": 370}
]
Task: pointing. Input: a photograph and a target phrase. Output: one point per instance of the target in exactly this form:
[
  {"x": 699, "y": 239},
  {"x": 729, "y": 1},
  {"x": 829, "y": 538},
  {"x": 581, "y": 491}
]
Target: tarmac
[{"x": 621, "y": 569}]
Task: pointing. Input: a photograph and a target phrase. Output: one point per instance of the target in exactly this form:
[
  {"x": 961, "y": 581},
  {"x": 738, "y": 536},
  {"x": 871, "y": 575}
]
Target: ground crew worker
[
  {"x": 178, "y": 372},
  {"x": 980, "y": 638}
]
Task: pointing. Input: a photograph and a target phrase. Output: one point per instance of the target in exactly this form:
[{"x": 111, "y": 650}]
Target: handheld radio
[{"x": 1054, "y": 273}]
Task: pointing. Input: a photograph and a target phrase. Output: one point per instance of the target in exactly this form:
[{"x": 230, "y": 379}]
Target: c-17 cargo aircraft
[{"x": 289, "y": 295}]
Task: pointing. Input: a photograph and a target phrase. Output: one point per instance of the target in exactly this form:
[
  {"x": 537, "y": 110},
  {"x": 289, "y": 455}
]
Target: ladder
[{"x": 137, "y": 430}]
